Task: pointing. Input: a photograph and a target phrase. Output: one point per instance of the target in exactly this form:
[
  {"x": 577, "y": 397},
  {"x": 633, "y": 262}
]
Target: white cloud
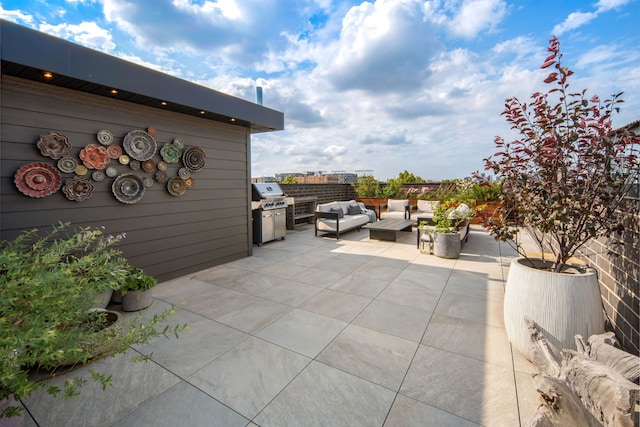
[
  {"x": 573, "y": 21},
  {"x": 86, "y": 33},
  {"x": 16, "y": 16},
  {"x": 383, "y": 47},
  {"x": 578, "y": 19},
  {"x": 606, "y": 5},
  {"x": 474, "y": 16}
]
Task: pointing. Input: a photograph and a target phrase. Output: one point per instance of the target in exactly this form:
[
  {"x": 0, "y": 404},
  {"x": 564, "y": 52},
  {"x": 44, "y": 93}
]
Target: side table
[{"x": 425, "y": 238}]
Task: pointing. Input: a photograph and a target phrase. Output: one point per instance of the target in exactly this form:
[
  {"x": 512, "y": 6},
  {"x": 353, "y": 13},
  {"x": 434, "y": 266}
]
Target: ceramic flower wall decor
[
  {"x": 53, "y": 145},
  {"x": 94, "y": 157},
  {"x": 107, "y": 160}
]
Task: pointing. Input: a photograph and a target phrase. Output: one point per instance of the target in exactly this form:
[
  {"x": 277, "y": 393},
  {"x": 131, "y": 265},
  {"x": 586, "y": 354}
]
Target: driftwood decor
[{"x": 594, "y": 386}]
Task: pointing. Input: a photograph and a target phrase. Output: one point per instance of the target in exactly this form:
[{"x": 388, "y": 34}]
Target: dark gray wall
[{"x": 167, "y": 236}]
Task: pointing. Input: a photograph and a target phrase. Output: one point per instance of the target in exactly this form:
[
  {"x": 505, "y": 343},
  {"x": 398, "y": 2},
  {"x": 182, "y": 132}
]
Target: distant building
[{"x": 262, "y": 179}]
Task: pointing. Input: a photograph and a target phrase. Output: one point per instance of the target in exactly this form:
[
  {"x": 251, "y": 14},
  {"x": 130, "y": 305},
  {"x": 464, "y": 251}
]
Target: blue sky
[{"x": 383, "y": 86}]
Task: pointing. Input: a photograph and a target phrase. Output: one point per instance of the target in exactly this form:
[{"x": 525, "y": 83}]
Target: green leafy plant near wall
[{"x": 47, "y": 281}]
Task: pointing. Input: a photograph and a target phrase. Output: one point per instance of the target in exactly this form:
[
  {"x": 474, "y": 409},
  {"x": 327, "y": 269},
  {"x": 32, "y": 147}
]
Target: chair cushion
[{"x": 397, "y": 205}]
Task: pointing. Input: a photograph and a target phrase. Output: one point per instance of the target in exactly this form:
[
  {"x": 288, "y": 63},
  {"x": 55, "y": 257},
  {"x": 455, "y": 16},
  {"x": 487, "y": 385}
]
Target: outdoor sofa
[{"x": 339, "y": 217}]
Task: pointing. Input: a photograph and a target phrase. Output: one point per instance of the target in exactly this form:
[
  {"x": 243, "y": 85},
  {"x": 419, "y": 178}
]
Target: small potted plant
[
  {"x": 449, "y": 221},
  {"x": 137, "y": 292},
  {"x": 564, "y": 179}
]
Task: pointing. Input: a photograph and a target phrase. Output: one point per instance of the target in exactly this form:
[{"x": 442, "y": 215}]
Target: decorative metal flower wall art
[
  {"x": 37, "y": 180},
  {"x": 77, "y": 188},
  {"x": 94, "y": 156},
  {"x": 54, "y": 145},
  {"x": 42, "y": 179}
]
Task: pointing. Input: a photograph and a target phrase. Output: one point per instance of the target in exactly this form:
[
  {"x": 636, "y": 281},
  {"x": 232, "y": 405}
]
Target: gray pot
[
  {"x": 446, "y": 245},
  {"x": 137, "y": 300},
  {"x": 101, "y": 300}
]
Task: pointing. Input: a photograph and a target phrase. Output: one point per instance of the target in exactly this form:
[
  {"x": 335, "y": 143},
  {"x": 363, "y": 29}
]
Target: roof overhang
[{"x": 28, "y": 54}]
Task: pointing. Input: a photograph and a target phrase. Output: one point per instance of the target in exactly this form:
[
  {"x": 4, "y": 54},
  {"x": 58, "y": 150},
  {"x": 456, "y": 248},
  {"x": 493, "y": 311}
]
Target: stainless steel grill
[{"x": 269, "y": 212}]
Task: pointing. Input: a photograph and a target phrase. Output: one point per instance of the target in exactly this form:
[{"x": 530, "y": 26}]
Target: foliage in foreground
[{"x": 47, "y": 284}]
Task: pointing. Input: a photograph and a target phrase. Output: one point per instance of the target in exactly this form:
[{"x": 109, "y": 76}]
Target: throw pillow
[
  {"x": 354, "y": 210},
  {"x": 338, "y": 211}
]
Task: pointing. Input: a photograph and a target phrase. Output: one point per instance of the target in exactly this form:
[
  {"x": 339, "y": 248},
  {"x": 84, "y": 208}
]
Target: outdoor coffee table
[{"x": 386, "y": 229}]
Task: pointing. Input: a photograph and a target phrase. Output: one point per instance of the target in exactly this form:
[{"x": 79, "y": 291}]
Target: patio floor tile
[
  {"x": 393, "y": 319},
  {"x": 183, "y": 405},
  {"x": 337, "y": 305},
  {"x": 210, "y": 338},
  {"x": 481, "y": 392},
  {"x": 303, "y": 332},
  {"x": 374, "y": 356},
  {"x": 407, "y": 412},
  {"x": 247, "y": 378},
  {"x": 324, "y": 396},
  {"x": 467, "y": 338},
  {"x": 133, "y": 383},
  {"x": 478, "y": 310}
]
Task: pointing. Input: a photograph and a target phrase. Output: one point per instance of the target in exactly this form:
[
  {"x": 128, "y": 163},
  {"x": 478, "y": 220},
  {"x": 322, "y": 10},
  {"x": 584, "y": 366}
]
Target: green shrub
[{"x": 46, "y": 284}]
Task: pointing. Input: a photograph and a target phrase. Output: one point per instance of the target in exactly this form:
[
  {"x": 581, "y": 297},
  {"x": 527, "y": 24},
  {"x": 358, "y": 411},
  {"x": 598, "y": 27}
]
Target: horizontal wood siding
[{"x": 166, "y": 236}]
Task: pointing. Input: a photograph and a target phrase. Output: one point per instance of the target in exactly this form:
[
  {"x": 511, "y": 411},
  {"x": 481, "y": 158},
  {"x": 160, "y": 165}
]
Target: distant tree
[
  {"x": 367, "y": 186},
  {"x": 290, "y": 180},
  {"x": 408, "y": 178}
]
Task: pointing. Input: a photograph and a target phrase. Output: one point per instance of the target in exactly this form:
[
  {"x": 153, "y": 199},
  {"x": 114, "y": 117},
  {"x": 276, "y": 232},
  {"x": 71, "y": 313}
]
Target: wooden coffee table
[{"x": 386, "y": 229}]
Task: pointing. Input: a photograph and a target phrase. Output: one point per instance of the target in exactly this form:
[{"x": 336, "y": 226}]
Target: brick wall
[
  {"x": 324, "y": 192},
  {"x": 617, "y": 261}
]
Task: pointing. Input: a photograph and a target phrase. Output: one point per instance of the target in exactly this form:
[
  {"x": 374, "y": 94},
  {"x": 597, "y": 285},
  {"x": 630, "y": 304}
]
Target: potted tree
[
  {"x": 564, "y": 180},
  {"x": 48, "y": 282},
  {"x": 137, "y": 290}
]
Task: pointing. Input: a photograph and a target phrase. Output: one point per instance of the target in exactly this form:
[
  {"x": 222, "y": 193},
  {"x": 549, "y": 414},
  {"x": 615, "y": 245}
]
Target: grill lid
[{"x": 266, "y": 190}]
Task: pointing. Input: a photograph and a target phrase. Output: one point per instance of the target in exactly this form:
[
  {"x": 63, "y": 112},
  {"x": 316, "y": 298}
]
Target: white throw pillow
[{"x": 428, "y": 205}]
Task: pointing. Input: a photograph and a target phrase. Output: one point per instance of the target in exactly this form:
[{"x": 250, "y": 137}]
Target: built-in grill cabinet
[{"x": 269, "y": 212}]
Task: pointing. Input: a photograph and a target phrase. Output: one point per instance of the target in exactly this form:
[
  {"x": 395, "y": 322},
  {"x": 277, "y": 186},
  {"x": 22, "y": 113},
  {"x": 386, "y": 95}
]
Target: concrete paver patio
[{"x": 313, "y": 331}]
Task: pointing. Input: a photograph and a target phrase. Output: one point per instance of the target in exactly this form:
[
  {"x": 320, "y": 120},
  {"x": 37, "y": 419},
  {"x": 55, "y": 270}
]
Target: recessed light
[
  {"x": 203, "y": 112},
  {"x": 163, "y": 103},
  {"x": 47, "y": 75},
  {"x": 114, "y": 91},
  {"x": 233, "y": 119}
]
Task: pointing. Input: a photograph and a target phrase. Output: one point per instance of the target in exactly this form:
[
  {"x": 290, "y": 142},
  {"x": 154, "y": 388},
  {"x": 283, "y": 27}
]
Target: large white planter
[{"x": 562, "y": 304}]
